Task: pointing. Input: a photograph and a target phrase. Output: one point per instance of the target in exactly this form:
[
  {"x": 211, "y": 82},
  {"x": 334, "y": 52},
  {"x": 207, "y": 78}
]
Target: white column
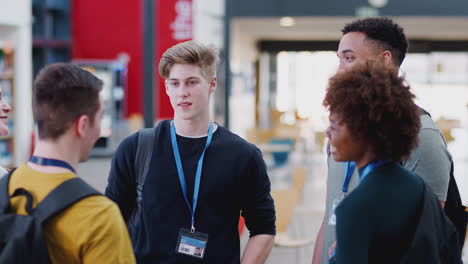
[{"x": 23, "y": 92}]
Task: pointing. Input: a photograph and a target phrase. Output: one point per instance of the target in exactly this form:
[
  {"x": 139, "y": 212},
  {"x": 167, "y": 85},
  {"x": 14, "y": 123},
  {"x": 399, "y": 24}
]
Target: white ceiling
[{"x": 328, "y": 28}]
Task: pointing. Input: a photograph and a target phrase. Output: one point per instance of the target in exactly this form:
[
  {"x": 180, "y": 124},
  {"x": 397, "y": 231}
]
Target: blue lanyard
[
  {"x": 349, "y": 171},
  {"x": 371, "y": 166},
  {"x": 51, "y": 162},
  {"x": 180, "y": 170}
]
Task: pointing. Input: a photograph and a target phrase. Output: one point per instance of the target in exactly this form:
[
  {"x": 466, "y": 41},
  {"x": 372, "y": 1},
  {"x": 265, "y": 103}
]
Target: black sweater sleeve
[
  {"x": 257, "y": 207},
  {"x": 121, "y": 183}
]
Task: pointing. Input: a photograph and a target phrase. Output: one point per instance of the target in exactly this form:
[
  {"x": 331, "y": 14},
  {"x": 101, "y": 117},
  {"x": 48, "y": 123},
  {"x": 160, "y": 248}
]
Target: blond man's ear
[{"x": 213, "y": 84}]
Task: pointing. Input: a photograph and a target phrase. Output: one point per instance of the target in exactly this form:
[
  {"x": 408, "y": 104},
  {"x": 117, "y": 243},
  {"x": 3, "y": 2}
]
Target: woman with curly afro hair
[{"x": 374, "y": 123}]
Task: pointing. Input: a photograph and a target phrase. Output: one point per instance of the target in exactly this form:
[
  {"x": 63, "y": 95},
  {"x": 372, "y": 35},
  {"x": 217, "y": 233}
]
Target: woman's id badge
[
  {"x": 332, "y": 219},
  {"x": 192, "y": 244}
]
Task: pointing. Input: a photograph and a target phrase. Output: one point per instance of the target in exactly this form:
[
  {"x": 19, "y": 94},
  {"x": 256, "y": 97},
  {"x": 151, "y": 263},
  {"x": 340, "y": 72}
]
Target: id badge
[
  {"x": 332, "y": 219},
  {"x": 192, "y": 244}
]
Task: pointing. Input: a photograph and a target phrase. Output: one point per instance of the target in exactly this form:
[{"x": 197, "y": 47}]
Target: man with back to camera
[
  {"x": 383, "y": 39},
  {"x": 68, "y": 111},
  {"x": 201, "y": 176}
]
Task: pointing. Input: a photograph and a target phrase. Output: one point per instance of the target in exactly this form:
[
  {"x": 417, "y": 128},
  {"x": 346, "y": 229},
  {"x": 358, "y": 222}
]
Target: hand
[{"x": 331, "y": 249}]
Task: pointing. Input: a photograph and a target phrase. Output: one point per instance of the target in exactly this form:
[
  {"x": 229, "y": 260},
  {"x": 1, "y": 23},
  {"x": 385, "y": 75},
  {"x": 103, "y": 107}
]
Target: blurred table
[{"x": 271, "y": 148}]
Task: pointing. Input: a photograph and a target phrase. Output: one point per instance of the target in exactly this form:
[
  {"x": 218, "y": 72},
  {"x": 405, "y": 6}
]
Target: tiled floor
[{"x": 307, "y": 217}]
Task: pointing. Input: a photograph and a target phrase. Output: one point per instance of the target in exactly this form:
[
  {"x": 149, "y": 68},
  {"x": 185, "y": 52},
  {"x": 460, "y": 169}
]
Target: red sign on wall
[
  {"x": 174, "y": 25},
  {"x": 102, "y": 34}
]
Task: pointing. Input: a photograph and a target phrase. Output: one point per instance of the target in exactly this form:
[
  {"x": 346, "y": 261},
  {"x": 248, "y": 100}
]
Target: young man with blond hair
[{"x": 201, "y": 176}]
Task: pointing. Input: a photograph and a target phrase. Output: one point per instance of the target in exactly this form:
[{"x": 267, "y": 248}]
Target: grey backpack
[{"x": 146, "y": 137}]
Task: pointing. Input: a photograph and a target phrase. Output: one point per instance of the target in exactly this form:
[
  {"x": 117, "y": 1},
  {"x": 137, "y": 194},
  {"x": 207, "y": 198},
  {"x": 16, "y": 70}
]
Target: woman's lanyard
[
  {"x": 180, "y": 170},
  {"x": 51, "y": 162},
  {"x": 371, "y": 166},
  {"x": 349, "y": 171}
]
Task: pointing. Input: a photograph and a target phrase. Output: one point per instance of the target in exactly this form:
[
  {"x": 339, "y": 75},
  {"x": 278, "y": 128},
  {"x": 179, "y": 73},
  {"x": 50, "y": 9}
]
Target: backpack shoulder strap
[
  {"x": 143, "y": 156},
  {"x": 424, "y": 112},
  {"x": 63, "y": 196},
  {"x": 455, "y": 210},
  {"x": 4, "y": 194}
]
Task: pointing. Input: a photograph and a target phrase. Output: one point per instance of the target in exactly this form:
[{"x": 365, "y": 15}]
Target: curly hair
[
  {"x": 377, "y": 107},
  {"x": 384, "y": 33}
]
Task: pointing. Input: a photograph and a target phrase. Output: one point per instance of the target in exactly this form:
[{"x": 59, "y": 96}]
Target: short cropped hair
[
  {"x": 384, "y": 34},
  {"x": 62, "y": 93},
  {"x": 190, "y": 52},
  {"x": 377, "y": 107}
]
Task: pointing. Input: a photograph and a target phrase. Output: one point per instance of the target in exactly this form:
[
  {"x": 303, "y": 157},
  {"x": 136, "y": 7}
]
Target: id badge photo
[{"x": 192, "y": 244}]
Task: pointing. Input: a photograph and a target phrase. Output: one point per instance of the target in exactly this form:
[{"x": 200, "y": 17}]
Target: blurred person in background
[{"x": 5, "y": 108}]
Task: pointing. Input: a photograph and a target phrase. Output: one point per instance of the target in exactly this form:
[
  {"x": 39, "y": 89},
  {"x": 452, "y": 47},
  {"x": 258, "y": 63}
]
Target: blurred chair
[
  {"x": 286, "y": 201},
  {"x": 300, "y": 117},
  {"x": 256, "y": 135},
  {"x": 299, "y": 178},
  {"x": 446, "y": 126},
  {"x": 284, "y": 131},
  {"x": 320, "y": 139},
  {"x": 276, "y": 116},
  {"x": 281, "y": 157}
]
